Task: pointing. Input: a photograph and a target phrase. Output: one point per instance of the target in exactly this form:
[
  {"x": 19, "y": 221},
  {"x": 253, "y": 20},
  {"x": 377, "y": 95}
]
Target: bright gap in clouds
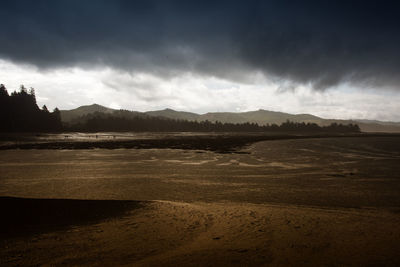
[{"x": 72, "y": 87}]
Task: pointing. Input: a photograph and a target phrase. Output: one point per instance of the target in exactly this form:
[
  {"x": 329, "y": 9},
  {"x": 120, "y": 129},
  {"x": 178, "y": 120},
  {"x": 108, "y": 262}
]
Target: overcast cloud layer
[{"x": 319, "y": 44}]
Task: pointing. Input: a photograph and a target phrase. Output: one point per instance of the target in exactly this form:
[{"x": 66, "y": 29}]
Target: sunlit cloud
[{"x": 69, "y": 88}]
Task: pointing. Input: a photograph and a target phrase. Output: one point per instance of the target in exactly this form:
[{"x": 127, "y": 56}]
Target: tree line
[
  {"x": 19, "y": 112},
  {"x": 123, "y": 121}
]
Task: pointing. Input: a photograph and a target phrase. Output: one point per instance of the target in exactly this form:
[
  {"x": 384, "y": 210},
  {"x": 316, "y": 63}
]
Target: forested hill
[
  {"x": 126, "y": 121},
  {"x": 70, "y": 115},
  {"x": 260, "y": 117},
  {"x": 99, "y": 118}
]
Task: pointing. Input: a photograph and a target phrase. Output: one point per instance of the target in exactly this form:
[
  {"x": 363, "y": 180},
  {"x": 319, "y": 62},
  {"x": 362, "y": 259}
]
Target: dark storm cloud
[{"x": 322, "y": 43}]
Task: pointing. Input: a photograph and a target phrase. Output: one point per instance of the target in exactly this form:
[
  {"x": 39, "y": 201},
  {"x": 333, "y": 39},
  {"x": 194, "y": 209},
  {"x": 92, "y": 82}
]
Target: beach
[{"x": 303, "y": 202}]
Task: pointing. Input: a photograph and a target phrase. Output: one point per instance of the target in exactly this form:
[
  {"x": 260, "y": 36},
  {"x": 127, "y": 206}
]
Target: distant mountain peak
[
  {"x": 92, "y": 106},
  {"x": 68, "y": 115},
  {"x": 96, "y": 105}
]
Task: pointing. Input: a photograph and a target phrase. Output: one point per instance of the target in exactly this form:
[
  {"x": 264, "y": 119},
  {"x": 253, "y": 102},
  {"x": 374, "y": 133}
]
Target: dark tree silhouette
[
  {"x": 19, "y": 113},
  {"x": 126, "y": 121}
]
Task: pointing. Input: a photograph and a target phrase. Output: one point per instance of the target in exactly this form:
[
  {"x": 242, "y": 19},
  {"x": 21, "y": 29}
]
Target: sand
[
  {"x": 217, "y": 234},
  {"x": 314, "y": 202}
]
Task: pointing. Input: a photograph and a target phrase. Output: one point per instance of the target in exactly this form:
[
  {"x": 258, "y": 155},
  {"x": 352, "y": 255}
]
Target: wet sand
[{"x": 281, "y": 203}]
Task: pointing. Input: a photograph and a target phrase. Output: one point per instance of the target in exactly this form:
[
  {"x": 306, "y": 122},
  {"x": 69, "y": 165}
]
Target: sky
[{"x": 334, "y": 59}]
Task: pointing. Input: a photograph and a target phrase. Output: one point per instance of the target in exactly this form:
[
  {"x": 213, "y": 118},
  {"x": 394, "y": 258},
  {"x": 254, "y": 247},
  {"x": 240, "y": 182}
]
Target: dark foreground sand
[
  {"x": 316, "y": 202},
  {"x": 203, "y": 234}
]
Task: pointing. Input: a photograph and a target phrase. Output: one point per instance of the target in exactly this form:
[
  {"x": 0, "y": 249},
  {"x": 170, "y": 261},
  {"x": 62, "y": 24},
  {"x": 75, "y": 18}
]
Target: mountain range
[{"x": 261, "y": 117}]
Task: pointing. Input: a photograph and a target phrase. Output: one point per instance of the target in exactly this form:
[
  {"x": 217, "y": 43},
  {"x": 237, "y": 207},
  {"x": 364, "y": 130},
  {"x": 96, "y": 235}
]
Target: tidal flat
[{"x": 313, "y": 201}]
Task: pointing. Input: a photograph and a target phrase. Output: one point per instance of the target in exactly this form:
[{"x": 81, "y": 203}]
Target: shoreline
[{"x": 220, "y": 143}]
